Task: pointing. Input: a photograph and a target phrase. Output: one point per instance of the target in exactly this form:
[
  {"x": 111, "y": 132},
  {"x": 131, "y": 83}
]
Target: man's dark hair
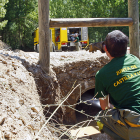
[{"x": 116, "y": 43}]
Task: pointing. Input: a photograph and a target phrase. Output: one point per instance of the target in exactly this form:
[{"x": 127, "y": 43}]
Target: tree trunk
[{"x": 44, "y": 45}]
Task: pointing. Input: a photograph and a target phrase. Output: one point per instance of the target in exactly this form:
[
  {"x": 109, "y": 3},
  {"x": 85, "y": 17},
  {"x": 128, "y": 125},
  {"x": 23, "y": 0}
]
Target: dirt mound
[
  {"x": 4, "y": 46},
  {"x": 21, "y": 113},
  {"x": 24, "y": 89}
]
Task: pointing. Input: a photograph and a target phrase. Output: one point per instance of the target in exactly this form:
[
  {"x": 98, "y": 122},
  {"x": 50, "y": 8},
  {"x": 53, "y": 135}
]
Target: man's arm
[{"x": 104, "y": 103}]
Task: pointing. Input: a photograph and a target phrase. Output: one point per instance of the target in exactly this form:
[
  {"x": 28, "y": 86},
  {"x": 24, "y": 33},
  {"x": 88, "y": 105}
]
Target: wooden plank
[
  {"x": 133, "y": 12},
  {"x": 90, "y": 22},
  {"x": 44, "y": 45}
]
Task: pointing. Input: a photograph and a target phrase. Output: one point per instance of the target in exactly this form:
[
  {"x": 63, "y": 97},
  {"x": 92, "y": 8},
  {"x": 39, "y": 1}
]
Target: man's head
[
  {"x": 76, "y": 34},
  {"x": 116, "y": 43}
]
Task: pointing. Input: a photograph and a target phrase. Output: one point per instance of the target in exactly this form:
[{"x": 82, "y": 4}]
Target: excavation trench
[{"x": 68, "y": 70}]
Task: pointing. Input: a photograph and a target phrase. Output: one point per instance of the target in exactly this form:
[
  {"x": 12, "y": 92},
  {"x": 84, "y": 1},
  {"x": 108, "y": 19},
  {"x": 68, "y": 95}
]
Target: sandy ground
[{"x": 21, "y": 113}]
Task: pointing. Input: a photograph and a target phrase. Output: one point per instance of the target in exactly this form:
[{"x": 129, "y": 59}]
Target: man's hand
[
  {"x": 95, "y": 46},
  {"x": 104, "y": 102}
]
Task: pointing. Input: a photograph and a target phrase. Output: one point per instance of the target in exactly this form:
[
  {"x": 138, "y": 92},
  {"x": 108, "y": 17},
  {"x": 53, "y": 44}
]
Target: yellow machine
[{"x": 62, "y": 38}]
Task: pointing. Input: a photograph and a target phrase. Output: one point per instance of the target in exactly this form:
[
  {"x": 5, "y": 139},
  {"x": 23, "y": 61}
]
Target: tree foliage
[
  {"x": 2, "y": 13},
  {"x": 22, "y": 16},
  {"x": 108, "y": 9}
]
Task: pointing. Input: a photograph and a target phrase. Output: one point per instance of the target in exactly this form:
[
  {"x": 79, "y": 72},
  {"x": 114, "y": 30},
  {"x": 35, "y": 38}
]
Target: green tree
[
  {"x": 22, "y": 17},
  {"x": 2, "y": 13},
  {"x": 69, "y": 8}
]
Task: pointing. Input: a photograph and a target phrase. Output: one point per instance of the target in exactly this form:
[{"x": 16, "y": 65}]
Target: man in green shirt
[
  {"x": 118, "y": 83},
  {"x": 76, "y": 42}
]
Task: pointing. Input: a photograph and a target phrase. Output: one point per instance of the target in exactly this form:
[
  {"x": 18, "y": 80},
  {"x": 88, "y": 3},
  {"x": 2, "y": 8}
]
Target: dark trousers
[{"x": 114, "y": 123}]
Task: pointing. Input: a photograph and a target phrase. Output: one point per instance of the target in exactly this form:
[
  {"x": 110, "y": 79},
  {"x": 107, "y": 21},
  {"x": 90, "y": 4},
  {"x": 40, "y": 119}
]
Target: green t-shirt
[
  {"x": 77, "y": 39},
  {"x": 120, "y": 78}
]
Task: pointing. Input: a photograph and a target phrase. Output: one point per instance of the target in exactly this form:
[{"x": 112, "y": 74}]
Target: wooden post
[
  {"x": 44, "y": 34},
  {"x": 133, "y": 12}
]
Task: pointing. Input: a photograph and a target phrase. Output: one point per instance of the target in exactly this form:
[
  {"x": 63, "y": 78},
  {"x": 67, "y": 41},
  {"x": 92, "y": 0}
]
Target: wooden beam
[
  {"x": 133, "y": 12},
  {"x": 90, "y": 22},
  {"x": 44, "y": 33}
]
